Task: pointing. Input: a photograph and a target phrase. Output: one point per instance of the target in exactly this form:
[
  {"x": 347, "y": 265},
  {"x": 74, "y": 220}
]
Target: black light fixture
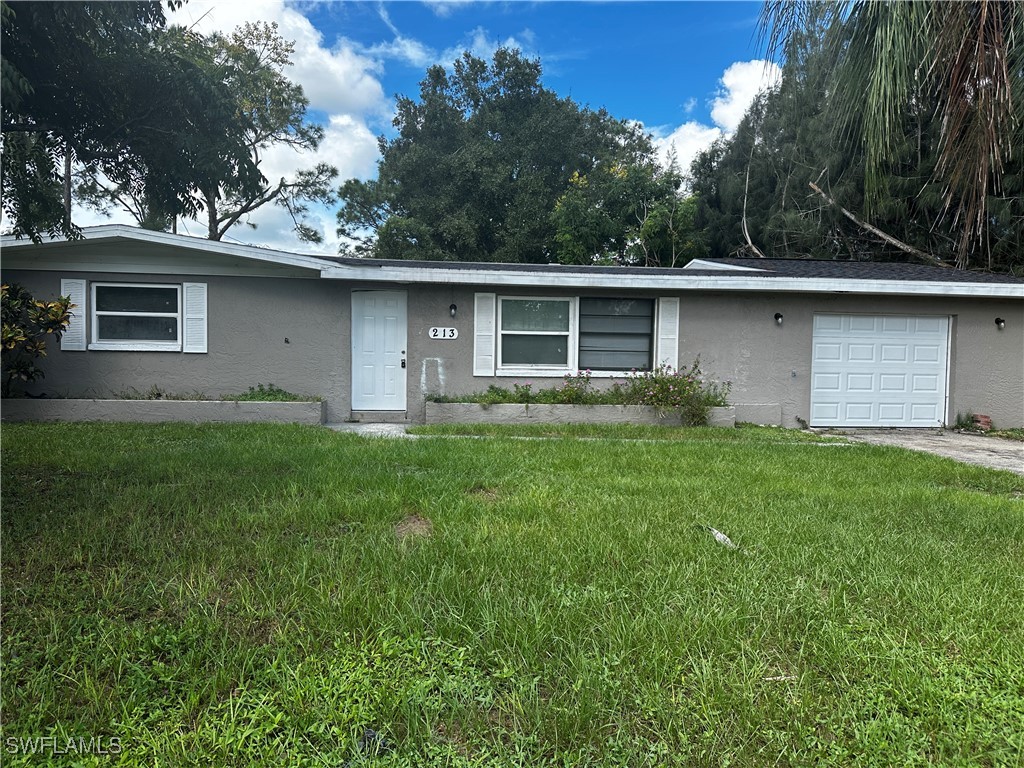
[
  {"x": 1000, "y": 323},
  {"x": 778, "y": 318},
  {"x": 452, "y": 310}
]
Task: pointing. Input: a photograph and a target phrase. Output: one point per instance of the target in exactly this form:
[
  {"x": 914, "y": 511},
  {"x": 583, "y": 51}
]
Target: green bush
[
  {"x": 269, "y": 393},
  {"x": 684, "y": 391},
  {"x": 26, "y": 324}
]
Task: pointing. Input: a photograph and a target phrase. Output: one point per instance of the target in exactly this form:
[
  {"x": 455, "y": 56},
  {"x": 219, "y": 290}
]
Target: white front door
[
  {"x": 879, "y": 371},
  {"x": 378, "y": 350}
]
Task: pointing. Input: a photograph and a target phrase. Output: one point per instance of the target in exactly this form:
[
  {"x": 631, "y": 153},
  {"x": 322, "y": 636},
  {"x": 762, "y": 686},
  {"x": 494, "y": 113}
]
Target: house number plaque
[{"x": 444, "y": 333}]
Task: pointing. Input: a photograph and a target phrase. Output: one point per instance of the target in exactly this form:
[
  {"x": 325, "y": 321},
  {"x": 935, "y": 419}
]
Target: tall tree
[
  {"x": 270, "y": 112},
  {"x": 478, "y": 165},
  {"x": 964, "y": 59},
  {"x": 67, "y": 104},
  {"x": 793, "y": 183}
]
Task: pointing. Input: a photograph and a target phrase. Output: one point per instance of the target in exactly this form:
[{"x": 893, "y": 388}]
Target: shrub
[
  {"x": 26, "y": 324},
  {"x": 684, "y": 391},
  {"x": 269, "y": 393}
]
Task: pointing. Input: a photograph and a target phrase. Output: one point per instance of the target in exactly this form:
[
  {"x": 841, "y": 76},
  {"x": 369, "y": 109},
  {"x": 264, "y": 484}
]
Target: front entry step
[{"x": 381, "y": 417}]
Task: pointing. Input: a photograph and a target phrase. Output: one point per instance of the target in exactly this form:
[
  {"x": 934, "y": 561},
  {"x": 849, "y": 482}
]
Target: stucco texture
[
  {"x": 249, "y": 319},
  {"x": 735, "y": 335}
]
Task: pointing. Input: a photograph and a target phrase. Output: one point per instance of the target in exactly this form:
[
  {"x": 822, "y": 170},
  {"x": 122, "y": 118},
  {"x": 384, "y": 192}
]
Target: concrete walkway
[
  {"x": 371, "y": 429},
  {"x": 993, "y": 452}
]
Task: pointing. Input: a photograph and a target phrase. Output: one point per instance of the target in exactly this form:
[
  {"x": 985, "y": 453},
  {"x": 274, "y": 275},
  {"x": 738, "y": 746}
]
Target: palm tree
[{"x": 964, "y": 60}]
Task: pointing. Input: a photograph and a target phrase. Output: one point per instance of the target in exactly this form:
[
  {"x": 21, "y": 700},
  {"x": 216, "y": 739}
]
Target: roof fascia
[
  {"x": 681, "y": 282},
  {"x": 122, "y": 232}
]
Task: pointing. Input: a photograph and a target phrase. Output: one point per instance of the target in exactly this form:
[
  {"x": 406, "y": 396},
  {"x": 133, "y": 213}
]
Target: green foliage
[
  {"x": 157, "y": 392},
  {"x": 626, "y": 214},
  {"x": 901, "y": 113},
  {"x": 269, "y": 393},
  {"x": 684, "y": 391},
  {"x": 269, "y": 109},
  {"x": 479, "y": 164},
  {"x": 68, "y": 103},
  {"x": 27, "y": 325}
]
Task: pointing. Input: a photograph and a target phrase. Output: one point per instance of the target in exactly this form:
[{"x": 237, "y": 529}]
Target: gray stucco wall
[
  {"x": 737, "y": 339},
  {"x": 249, "y": 319},
  {"x": 735, "y": 336}
]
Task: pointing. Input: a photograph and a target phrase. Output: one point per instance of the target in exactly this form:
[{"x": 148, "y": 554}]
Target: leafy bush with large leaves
[{"x": 27, "y": 324}]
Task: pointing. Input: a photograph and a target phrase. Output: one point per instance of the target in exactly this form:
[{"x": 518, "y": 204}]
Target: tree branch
[{"x": 876, "y": 231}]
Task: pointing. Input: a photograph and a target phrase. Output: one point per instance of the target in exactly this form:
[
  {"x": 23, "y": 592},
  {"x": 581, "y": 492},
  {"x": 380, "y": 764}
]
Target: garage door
[{"x": 879, "y": 371}]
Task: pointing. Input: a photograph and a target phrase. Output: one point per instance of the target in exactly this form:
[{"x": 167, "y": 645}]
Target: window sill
[
  {"x": 550, "y": 373},
  {"x": 140, "y": 346}
]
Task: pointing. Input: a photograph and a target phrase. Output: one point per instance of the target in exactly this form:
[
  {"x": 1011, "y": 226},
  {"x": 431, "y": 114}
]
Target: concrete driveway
[{"x": 993, "y": 452}]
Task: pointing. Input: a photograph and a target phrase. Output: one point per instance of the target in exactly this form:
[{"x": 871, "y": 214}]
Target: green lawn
[{"x": 237, "y": 595}]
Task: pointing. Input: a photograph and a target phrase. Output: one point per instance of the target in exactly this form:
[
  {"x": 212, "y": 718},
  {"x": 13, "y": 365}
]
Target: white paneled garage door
[{"x": 879, "y": 371}]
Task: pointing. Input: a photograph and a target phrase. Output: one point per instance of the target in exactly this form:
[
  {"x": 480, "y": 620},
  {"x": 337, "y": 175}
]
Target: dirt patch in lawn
[{"x": 413, "y": 527}]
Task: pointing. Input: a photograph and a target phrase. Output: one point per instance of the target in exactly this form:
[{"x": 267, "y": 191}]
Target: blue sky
[{"x": 685, "y": 70}]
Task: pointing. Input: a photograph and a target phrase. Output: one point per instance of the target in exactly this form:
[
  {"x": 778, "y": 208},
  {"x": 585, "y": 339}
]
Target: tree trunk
[
  {"x": 67, "y": 185},
  {"x": 211, "y": 214}
]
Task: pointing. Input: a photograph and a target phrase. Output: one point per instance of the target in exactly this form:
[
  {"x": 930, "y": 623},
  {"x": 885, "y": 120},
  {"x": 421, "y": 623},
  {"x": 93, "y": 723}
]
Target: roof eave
[{"x": 733, "y": 282}]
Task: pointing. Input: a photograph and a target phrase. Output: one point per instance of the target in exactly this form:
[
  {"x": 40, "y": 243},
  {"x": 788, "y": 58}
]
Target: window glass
[
  {"x": 135, "y": 298},
  {"x": 136, "y": 328},
  {"x": 534, "y": 315},
  {"x": 616, "y": 334},
  {"x": 124, "y": 314},
  {"x": 534, "y": 350}
]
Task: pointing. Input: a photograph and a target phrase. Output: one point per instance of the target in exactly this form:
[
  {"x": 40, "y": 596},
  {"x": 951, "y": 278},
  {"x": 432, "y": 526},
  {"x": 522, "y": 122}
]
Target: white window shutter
[
  {"x": 667, "y": 348},
  {"x": 74, "y": 337},
  {"x": 193, "y": 317},
  {"x": 484, "y": 317}
]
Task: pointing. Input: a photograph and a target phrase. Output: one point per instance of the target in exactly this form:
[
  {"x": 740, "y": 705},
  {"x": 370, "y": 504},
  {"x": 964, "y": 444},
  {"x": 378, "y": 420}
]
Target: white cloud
[
  {"x": 740, "y": 83},
  {"x": 738, "y": 86},
  {"x": 688, "y": 140}
]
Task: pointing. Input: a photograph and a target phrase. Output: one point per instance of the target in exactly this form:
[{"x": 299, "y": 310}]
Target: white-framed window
[
  {"x": 135, "y": 317},
  {"x": 616, "y": 334},
  {"x": 554, "y": 335},
  {"x": 536, "y": 333}
]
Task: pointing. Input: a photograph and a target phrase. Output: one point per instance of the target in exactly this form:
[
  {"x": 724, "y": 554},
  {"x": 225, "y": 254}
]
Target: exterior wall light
[
  {"x": 1000, "y": 323},
  {"x": 452, "y": 310},
  {"x": 778, "y": 318}
]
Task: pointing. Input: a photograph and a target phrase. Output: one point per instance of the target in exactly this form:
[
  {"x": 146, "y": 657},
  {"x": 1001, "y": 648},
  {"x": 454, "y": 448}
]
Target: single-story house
[{"x": 828, "y": 343}]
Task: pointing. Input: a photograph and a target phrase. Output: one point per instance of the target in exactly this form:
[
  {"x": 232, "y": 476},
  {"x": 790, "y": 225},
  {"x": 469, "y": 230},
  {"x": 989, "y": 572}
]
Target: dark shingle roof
[
  {"x": 767, "y": 269},
  {"x": 866, "y": 270}
]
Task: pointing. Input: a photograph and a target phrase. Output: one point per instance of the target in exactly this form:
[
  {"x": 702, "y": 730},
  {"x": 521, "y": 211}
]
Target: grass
[{"x": 236, "y": 595}]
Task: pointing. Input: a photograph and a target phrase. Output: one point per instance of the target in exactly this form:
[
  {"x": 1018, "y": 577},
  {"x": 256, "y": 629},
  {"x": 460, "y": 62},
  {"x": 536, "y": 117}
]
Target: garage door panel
[
  {"x": 892, "y": 382},
  {"x": 824, "y": 323},
  {"x": 861, "y": 353},
  {"x": 895, "y": 324},
  {"x": 878, "y": 370},
  {"x": 829, "y": 351},
  {"x": 932, "y": 325},
  {"x": 892, "y": 411},
  {"x": 863, "y": 323},
  {"x": 860, "y": 382},
  {"x": 828, "y": 382},
  {"x": 825, "y": 412},
  {"x": 894, "y": 353},
  {"x": 858, "y": 412}
]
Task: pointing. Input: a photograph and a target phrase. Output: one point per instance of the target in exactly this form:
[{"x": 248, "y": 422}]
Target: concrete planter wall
[
  {"x": 514, "y": 413},
  {"x": 152, "y": 411}
]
